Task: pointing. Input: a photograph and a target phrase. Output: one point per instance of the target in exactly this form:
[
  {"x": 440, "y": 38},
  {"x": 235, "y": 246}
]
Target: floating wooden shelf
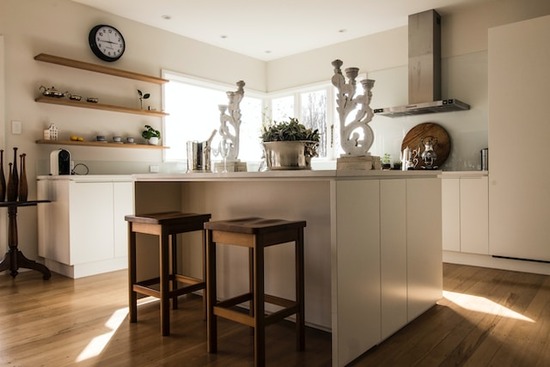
[
  {"x": 99, "y": 106},
  {"x": 98, "y": 68},
  {"x": 100, "y": 144}
]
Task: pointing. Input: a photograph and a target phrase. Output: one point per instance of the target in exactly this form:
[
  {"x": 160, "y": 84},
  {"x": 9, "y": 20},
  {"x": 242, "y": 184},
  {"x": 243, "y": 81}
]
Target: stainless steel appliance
[
  {"x": 60, "y": 162},
  {"x": 485, "y": 159},
  {"x": 424, "y": 70}
]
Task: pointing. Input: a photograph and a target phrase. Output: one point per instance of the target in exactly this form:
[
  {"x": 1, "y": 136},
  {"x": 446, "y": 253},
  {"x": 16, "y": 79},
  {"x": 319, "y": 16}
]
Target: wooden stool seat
[
  {"x": 256, "y": 234},
  {"x": 166, "y": 226}
]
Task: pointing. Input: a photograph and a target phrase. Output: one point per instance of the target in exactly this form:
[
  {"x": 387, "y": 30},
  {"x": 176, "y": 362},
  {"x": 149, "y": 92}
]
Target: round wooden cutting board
[{"x": 413, "y": 140}]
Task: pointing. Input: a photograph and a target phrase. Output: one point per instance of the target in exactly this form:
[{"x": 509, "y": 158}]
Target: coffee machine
[{"x": 60, "y": 162}]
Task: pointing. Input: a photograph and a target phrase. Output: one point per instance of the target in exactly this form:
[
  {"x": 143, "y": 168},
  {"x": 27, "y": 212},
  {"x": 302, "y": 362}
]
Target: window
[
  {"x": 311, "y": 106},
  {"x": 194, "y": 114}
]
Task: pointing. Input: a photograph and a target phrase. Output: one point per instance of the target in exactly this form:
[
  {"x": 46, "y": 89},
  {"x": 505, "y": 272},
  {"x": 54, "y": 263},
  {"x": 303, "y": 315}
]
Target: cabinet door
[
  {"x": 519, "y": 204},
  {"x": 53, "y": 221},
  {"x": 474, "y": 215},
  {"x": 123, "y": 199},
  {"x": 91, "y": 221},
  {"x": 393, "y": 255},
  {"x": 356, "y": 276},
  {"x": 450, "y": 215},
  {"x": 424, "y": 262}
]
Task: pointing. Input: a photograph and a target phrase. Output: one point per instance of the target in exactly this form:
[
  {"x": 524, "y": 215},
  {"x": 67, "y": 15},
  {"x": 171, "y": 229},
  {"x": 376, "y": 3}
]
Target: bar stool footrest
[
  {"x": 222, "y": 309},
  {"x": 191, "y": 285}
]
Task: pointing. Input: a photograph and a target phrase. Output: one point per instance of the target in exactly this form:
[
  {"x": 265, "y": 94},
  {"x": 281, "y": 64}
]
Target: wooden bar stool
[
  {"x": 166, "y": 226},
  {"x": 256, "y": 234}
]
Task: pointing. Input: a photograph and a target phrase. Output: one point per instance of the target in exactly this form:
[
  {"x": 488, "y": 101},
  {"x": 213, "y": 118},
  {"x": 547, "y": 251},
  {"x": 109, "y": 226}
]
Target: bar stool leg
[
  {"x": 211, "y": 293},
  {"x": 164, "y": 285},
  {"x": 251, "y": 280},
  {"x": 174, "y": 241},
  {"x": 259, "y": 319},
  {"x": 204, "y": 292},
  {"x": 132, "y": 278},
  {"x": 300, "y": 294}
]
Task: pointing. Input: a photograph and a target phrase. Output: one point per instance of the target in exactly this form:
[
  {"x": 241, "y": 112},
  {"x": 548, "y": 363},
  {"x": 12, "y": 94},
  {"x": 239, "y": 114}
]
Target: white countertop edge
[
  {"x": 88, "y": 178},
  {"x": 269, "y": 175},
  {"x": 464, "y": 174},
  {"x": 281, "y": 175}
]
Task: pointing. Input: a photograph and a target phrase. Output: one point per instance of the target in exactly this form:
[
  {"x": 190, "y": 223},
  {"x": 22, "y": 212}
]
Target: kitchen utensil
[
  {"x": 414, "y": 137},
  {"x": 50, "y": 92},
  {"x": 198, "y": 155}
]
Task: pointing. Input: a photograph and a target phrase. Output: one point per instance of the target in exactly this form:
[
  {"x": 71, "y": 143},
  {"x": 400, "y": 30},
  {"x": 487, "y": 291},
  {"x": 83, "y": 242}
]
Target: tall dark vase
[
  {"x": 11, "y": 190},
  {"x": 2, "y": 177},
  {"x": 13, "y": 178},
  {"x": 23, "y": 186}
]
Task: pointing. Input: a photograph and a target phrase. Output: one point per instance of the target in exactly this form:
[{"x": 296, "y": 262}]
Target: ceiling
[{"x": 271, "y": 29}]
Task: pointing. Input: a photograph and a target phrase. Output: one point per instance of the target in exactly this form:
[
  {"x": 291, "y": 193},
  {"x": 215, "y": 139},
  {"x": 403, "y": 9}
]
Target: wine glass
[{"x": 224, "y": 149}]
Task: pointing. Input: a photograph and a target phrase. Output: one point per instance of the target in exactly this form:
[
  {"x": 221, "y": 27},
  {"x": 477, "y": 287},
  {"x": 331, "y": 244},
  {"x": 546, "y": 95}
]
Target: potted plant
[
  {"x": 151, "y": 135},
  {"x": 289, "y": 145}
]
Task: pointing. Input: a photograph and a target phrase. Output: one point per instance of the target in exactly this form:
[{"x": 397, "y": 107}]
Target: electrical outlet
[
  {"x": 16, "y": 127},
  {"x": 154, "y": 169}
]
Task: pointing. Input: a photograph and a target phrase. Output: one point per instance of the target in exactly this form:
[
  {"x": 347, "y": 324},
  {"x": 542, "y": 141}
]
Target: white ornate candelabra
[
  {"x": 230, "y": 121},
  {"x": 356, "y": 136}
]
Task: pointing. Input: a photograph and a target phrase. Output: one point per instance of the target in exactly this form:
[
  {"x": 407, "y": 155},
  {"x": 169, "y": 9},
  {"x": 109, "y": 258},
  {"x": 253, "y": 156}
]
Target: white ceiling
[{"x": 271, "y": 29}]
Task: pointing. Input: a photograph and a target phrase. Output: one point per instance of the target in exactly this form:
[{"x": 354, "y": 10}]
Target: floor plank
[{"x": 57, "y": 322}]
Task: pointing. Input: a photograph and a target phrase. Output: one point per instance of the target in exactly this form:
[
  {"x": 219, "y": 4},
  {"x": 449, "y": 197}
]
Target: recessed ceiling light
[
  {"x": 267, "y": 51},
  {"x": 343, "y": 30},
  {"x": 166, "y": 17},
  {"x": 223, "y": 36}
]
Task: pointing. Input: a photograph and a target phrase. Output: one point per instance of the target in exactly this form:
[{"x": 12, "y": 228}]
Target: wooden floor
[{"x": 489, "y": 318}]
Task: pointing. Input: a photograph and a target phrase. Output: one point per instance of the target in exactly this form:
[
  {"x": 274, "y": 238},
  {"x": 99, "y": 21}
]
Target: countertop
[{"x": 268, "y": 175}]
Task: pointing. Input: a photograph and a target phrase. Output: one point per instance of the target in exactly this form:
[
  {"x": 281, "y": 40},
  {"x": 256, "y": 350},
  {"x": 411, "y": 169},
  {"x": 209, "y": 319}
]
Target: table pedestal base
[{"x": 14, "y": 259}]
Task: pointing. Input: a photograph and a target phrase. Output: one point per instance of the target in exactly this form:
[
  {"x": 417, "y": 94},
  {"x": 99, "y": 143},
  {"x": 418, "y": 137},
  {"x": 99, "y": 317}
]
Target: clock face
[{"x": 106, "y": 42}]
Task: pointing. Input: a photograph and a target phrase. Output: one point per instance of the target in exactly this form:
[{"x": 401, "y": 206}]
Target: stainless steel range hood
[{"x": 424, "y": 70}]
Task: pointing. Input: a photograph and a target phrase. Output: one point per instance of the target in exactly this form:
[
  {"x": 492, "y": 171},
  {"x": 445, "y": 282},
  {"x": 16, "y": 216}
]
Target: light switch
[{"x": 15, "y": 127}]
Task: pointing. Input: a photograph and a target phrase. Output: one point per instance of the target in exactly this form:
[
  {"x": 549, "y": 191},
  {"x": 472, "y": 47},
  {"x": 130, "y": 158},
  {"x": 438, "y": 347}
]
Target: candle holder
[{"x": 356, "y": 136}]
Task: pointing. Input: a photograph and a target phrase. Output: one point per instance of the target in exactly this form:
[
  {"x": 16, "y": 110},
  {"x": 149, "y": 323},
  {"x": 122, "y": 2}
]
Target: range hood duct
[{"x": 424, "y": 70}]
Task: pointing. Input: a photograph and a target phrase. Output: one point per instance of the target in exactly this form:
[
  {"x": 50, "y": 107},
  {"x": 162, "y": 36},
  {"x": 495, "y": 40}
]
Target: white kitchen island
[{"x": 372, "y": 250}]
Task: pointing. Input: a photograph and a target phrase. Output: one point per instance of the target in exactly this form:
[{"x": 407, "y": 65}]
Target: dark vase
[
  {"x": 11, "y": 190},
  {"x": 13, "y": 178},
  {"x": 23, "y": 186},
  {"x": 2, "y": 177}
]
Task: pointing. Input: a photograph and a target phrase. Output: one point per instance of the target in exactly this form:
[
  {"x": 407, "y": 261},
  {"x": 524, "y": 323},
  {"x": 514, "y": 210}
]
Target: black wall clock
[{"x": 106, "y": 42}]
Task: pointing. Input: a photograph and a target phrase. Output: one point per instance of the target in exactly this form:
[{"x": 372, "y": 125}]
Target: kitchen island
[{"x": 372, "y": 242}]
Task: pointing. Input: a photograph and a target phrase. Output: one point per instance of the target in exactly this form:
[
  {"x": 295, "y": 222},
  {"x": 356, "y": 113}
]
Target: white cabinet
[
  {"x": 393, "y": 255},
  {"x": 83, "y": 231},
  {"x": 424, "y": 250},
  {"x": 358, "y": 264},
  {"x": 388, "y": 259},
  {"x": 474, "y": 215},
  {"x": 465, "y": 214},
  {"x": 450, "y": 215},
  {"x": 519, "y": 76}
]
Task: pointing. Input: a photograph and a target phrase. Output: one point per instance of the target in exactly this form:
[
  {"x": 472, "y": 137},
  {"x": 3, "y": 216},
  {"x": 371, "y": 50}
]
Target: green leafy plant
[
  {"x": 142, "y": 96},
  {"x": 292, "y": 130},
  {"x": 150, "y": 132}
]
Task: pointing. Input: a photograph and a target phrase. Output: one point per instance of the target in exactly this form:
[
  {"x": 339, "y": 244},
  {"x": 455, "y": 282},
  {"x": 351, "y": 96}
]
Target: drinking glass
[{"x": 224, "y": 149}]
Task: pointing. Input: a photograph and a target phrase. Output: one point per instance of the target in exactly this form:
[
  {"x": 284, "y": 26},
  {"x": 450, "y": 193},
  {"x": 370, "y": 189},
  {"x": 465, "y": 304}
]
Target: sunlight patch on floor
[
  {"x": 482, "y": 304},
  {"x": 98, "y": 343}
]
